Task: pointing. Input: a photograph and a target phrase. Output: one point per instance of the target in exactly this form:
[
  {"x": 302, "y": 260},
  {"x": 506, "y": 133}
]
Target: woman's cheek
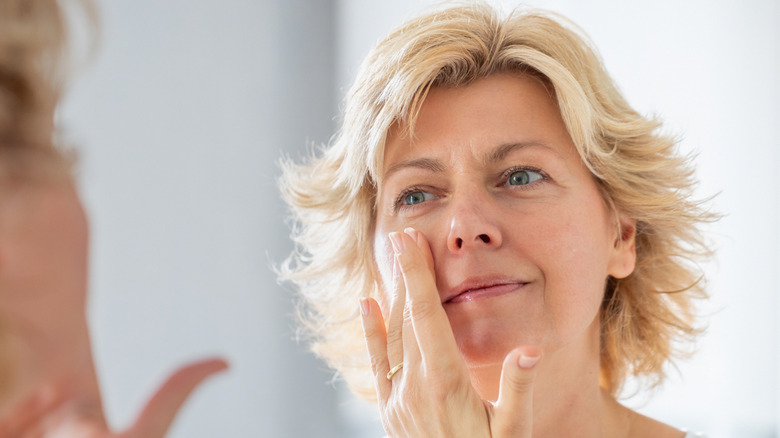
[{"x": 581, "y": 276}]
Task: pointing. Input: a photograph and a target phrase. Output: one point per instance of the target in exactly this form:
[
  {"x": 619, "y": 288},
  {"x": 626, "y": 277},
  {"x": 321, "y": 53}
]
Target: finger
[
  {"x": 412, "y": 354},
  {"x": 431, "y": 325},
  {"x": 412, "y": 358},
  {"x": 410, "y": 341},
  {"x": 395, "y": 337},
  {"x": 157, "y": 416},
  {"x": 423, "y": 245},
  {"x": 376, "y": 342},
  {"x": 513, "y": 412}
]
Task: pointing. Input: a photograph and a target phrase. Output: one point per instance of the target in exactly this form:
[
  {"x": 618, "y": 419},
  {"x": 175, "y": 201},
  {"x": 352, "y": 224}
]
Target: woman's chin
[{"x": 485, "y": 348}]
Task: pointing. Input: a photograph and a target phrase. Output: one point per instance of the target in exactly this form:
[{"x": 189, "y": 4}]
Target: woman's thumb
[
  {"x": 160, "y": 411},
  {"x": 513, "y": 412}
]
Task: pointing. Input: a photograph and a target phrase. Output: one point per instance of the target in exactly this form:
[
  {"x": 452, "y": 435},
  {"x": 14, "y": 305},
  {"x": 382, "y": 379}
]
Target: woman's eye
[
  {"x": 417, "y": 197},
  {"x": 523, "y": 177}
]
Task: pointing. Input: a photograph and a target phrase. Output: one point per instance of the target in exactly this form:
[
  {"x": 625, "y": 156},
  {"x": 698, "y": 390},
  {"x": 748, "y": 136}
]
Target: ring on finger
[{"x": 394, "y": 370}]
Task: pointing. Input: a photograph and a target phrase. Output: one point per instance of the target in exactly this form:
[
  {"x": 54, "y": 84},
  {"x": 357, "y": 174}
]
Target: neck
[
  {"x": 38, "y": 353},
  {"x": 567, "y": 395}
]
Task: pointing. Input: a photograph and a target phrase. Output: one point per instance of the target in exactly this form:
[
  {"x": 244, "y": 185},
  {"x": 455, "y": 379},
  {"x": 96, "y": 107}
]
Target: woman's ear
[{"x": 623, "y": 259}]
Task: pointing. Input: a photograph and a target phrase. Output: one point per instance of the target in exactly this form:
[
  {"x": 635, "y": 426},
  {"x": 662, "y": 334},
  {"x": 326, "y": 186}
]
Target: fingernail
[
  {"x": 412, "y": 233},
  {"x": 364, "y": 307},
  {"x": 397, "y": 241},
  {"x": 527, "y": 361}
]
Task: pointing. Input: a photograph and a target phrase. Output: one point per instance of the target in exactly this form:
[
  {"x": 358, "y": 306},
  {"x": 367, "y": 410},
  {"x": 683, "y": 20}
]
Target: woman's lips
[{"x": 484, "y": 292}]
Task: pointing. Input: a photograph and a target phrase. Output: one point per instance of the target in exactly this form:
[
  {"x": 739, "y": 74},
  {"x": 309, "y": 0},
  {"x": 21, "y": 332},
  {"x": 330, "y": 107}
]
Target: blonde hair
[
  {"x": 639, "y": 171},
  {"x": 31, "y": 40}
]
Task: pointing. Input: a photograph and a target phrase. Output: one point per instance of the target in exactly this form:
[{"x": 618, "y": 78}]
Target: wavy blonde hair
[{"x": 638, "y": 169}]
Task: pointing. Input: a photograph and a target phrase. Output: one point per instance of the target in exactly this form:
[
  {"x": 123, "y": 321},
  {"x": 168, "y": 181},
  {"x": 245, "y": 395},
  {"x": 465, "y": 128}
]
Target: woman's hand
[
  {"x": 432, "y": 395},
  {"x": 52, "y": 413}
]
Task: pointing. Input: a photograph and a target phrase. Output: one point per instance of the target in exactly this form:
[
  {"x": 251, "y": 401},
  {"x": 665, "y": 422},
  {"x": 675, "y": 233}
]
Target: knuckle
[
  {"x": 394, "y": 335},
  {"x": 409, "y": 265},
  {"x": 407, "y": 314},
  {"x": 410, "y": 397},
  {"x": 423, "y": 309},
  {"x": 443, "y": 388},
  {"x": 440, "y": 395},
  {"x": 369, "y": 331},
  {"x": 521, "y": 384},
  {"x": 374, "y": 363}
]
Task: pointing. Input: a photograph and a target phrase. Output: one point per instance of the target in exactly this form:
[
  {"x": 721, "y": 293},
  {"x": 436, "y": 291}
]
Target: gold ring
[{"x": 394, "y": 370}]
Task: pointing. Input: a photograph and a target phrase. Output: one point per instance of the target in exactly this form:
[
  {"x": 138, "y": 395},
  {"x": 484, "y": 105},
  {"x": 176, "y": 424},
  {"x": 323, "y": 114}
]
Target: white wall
[{"x": 189, "y": 104}]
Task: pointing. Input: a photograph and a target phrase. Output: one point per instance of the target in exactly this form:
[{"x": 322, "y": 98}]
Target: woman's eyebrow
[
  {"x": 418, "y": 163},
  {"x": 436, "y": 166},
  {"x": 503, "y": 150}
]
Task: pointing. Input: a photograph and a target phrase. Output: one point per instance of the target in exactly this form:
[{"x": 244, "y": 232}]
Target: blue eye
[
  {"x": 417, "y": 197},
  {"x": 523, "y": 177}
]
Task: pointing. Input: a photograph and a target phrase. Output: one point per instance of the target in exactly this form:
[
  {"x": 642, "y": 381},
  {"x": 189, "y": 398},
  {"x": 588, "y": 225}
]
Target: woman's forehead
[{"x": 486, "y": 118}]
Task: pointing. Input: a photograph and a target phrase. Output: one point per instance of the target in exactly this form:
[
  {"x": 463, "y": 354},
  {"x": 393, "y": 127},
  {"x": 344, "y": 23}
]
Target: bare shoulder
[
  {"x": 626, "y": 422},
  {"x": 646, "y": 427}
]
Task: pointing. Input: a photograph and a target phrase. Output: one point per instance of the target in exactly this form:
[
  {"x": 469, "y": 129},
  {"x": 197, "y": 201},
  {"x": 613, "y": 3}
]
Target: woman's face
[{"x": 521, "y": 238}]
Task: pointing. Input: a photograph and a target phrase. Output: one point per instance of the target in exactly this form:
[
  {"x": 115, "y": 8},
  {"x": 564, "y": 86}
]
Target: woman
[
  {"x": 48, "y": 384},
  {"x": 519, "y": 237}
]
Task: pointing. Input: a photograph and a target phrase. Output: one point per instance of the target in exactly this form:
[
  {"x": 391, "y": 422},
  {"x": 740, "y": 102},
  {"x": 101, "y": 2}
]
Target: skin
[
  {"x": 494, "y": 244},
  {"x": 53, "y": 389}
]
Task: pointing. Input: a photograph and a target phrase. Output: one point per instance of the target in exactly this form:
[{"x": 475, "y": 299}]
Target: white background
[{"x": 188, "y": 104}]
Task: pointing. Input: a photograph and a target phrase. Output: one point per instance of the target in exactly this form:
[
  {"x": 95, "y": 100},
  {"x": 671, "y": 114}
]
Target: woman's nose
[{"x": 472, "y": 226}]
